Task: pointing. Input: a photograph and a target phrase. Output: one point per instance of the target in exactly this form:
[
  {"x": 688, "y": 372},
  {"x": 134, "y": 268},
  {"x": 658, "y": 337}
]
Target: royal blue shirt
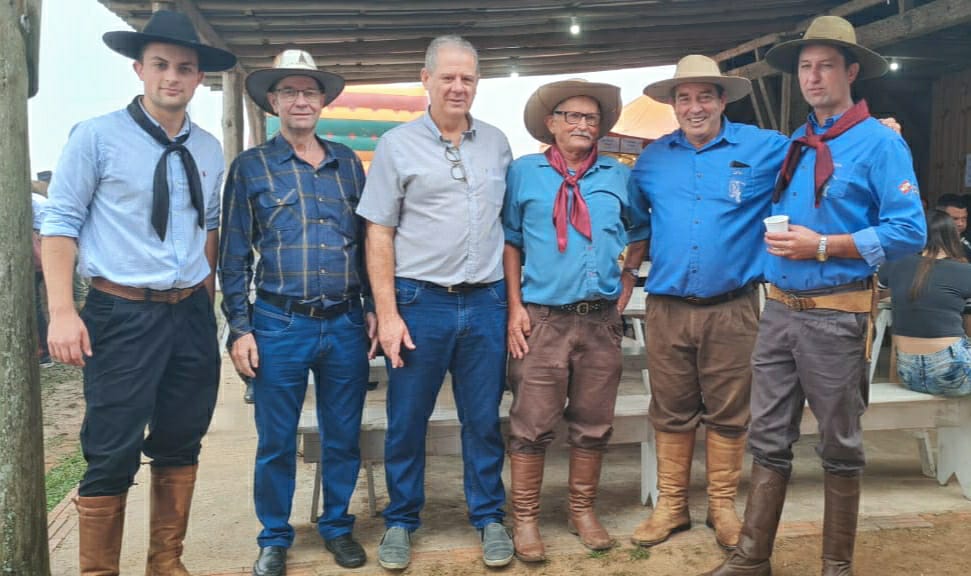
[
  {"x": 301, "y": 220},
  {"x": 872, "y": 195},
  {"x": 587, "y": 269},
  {"x": 706, "y": 208}
]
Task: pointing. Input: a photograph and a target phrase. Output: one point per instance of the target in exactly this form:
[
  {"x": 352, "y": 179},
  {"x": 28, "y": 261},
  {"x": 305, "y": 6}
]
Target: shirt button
[
  {"x": 322, "y": 271},
  {"x": 279, "y": 201},
  {"x": 320, "y": 198},
  {"x": 321, "y": 221},
  {"x": 698, "y": 197},
  {"x": 322, "y": 245},
  {"x": 698, "y": 174},
  {"x": 697, "y": 222},
  {"x": 694, "y": 247}
]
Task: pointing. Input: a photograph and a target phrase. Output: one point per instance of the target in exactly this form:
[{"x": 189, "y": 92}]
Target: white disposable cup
[{"x": 778, "y": 223}]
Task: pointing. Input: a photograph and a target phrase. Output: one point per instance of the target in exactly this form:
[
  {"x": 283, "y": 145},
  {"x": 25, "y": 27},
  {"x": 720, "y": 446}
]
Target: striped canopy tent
[{"x": 361, "y": 114}]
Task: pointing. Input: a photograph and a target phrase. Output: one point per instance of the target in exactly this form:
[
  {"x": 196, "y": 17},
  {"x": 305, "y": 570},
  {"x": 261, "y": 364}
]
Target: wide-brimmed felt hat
[
  {"x": 546, "y": 97},
  {"x": 291, "y": 63},
  {"x": 833, "y": 31},
  {"x": 169, "y": 27},
  {"x": 695, "y": 68}
]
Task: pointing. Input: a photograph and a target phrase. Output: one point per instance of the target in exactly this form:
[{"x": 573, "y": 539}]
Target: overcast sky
[{"x": 81, "y": 78}]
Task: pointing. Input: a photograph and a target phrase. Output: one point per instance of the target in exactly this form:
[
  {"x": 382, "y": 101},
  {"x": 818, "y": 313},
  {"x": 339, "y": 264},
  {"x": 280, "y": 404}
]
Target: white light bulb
[
  {"x": 514, "y": 74},
  {"x": 574, "y": 28},
  {"x": 894, "y": 66}
]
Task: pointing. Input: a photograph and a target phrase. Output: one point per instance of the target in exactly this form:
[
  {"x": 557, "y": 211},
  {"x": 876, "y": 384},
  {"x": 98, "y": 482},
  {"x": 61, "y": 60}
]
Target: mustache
[{"x": 584, "y": 133}]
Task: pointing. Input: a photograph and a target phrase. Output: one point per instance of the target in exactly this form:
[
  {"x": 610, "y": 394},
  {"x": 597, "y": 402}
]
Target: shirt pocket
[
  {"x": 841, "y": 182},
  {"x": 740, "y": 184},
  {"x": 278, "y": 209}
]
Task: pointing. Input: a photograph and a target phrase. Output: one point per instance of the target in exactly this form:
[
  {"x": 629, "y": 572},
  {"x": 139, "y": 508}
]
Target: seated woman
[{"x": 928, "y": 291}]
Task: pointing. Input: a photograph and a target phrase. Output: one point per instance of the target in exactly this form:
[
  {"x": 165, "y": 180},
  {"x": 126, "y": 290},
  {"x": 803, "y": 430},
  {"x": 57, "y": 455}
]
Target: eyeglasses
[
  {"x": 575, "y": 117},
  {"x": 453, "y": 155},
  {"x": 312, "y": 95}
]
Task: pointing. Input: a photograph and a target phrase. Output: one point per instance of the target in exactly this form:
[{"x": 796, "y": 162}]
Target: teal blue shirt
[{"x": 587, "y": 269}]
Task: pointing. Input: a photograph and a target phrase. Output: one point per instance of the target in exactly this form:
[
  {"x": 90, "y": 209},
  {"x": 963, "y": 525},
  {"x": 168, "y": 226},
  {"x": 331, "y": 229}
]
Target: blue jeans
[
  {"x": 943, "y": 373},
  {"x": 464, "y": 334},
  {"x": 291, "y": 345}
]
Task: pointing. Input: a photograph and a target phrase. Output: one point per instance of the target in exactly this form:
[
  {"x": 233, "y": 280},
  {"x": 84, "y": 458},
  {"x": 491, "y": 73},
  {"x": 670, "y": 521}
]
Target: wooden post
[
  {"x": 257, "y": 123},
  {"x": 23, "y": 512},
  {"x": 232, "y": 115}
]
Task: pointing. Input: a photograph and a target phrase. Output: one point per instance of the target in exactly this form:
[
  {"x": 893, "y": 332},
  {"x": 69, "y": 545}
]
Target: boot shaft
[
  {"x": 101, "y": 524},
  {"x": 723, "y": 458},
  {"x": 839, "y": 521},
  {"x": 526, "y": 481},
  {"x": 171, "y": 500},
  {"x": 584, "y": 478},
  {"x": 675, "y": 452},
  {"x": 763, "y": 510}
]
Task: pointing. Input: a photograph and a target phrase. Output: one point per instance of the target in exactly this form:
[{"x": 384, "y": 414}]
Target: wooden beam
[
  {"x": 232, "y": 120},
  {"x": 920, "y": 21},
  {"x": 843, "y": 10},
  {"x": 202, "y": 26}
]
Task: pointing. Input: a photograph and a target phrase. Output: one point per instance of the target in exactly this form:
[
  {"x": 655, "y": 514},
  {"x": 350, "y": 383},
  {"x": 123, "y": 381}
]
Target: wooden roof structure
[{"x": 382, "y": 41}]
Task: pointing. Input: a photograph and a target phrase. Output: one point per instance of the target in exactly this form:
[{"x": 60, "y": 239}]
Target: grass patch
[
  {"x": 63, "y": 477},
  {"x": 598, "y": 554},
  {"x": 639, "y": 553}
]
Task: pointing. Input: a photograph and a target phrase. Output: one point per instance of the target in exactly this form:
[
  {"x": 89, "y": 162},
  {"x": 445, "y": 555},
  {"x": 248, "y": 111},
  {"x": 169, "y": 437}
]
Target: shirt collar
[
  {"x": 728, "y": 133},
  {"x": 427, "y": 122},
  {"x": 284, "y": 151},
  {"x": 186, "y": 122},
  {"x": 829, "y": 122},
  {"x": 602, "y": 162}
]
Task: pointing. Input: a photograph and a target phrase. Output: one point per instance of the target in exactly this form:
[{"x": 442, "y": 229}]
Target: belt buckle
[
  {"x": 798, "y": 303},
  {"x": 583, "y": 308},
  {"x": 692, "y": 299},
  {"x": 453, "y": 289}
]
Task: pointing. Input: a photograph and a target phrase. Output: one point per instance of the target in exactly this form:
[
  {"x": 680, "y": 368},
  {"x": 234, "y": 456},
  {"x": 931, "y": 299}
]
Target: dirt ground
[{"x": 931, "y": 544}]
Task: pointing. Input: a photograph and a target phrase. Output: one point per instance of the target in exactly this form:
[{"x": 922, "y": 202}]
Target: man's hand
[
  {"x": 518, "y": 329},
  {"x": 67, "y": 338},
  {"x": 891, "y": 123},
  {"x": 799, "y": 243},
  {"x": 371, "y": 321},
  {"x": 627, "y": 285},
  {"x": 246, "y": 358},
  {"x": 392, "y": 334}
]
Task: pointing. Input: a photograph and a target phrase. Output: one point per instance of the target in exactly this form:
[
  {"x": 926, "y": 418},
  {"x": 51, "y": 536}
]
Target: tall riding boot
[
  {"x": 839, "y": 523},
  {"x": 724, "y": 460},
  {"x": 584, "y": 479},
  {"x": 170, "y": 502},
  {"x": 526, "y": 473},
  {"x": 101, "y": 523},
  {"x": 763, "y": 510},
  {"x": 674, "y": 453}
]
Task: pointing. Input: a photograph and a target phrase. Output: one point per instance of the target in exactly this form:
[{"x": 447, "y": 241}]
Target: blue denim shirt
[
  {"x": 706, "y": 208},
  {"x": 101, "y": 194},
  {"x": 587, "y": 269},
  {"x": 301, "y": 220},
  {"x": 872, "y": 195}
]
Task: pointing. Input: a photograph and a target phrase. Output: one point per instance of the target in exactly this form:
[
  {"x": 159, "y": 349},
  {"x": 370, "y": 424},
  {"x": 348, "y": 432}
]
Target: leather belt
[
  {"x": 859, "y": 301},
  {"x": 134, "y": 294},
  {"x": 584, "y": 307},
  {"x": 311, "y": 310},
  {"x": 462, "y": 288},
  {"x": 719, "y": 299}
]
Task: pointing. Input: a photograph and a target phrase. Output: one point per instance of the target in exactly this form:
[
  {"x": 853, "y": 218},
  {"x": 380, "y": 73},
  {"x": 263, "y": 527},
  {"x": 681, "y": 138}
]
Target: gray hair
[{"x": 450, "y": 40}]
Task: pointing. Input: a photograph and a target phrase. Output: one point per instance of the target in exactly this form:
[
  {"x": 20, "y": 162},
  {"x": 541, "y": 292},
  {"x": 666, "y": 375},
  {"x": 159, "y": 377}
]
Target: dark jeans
[
  {"x": 155, "y": 365},
  {"x": 464, "y": 334},
  {"x": 335, "y": 350}
]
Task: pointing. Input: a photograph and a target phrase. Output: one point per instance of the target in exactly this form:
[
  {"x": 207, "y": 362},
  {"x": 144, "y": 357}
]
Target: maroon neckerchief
[
  {"x": 579, "y": 214},
  {"x": 824, "y": 159}
]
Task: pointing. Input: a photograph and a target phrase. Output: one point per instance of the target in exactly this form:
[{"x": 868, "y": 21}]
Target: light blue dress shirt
[
  {"x": 101, "y": 194},
  {"x": 706, "y": 208},
  {"x": 873, "y": 195},
  {"x": 587, "y": 269}
]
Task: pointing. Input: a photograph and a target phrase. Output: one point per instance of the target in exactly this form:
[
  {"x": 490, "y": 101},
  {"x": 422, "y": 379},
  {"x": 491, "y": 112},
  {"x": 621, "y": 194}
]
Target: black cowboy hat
[{"x": 169, "y": 27}]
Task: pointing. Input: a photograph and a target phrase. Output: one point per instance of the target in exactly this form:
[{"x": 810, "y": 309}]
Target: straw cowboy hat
[
  {"x": 548, "y": 96},
  {"x": 291, "y": 63},
  {"x": 703, "y": 70},
  {"x": 169, "y": 27},
  {"x": 833, "y": 31}
]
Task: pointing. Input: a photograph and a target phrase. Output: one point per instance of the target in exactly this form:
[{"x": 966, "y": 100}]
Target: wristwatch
[
  {"x": 821, "y": 255},
  {"x": 634, "y": 273}
]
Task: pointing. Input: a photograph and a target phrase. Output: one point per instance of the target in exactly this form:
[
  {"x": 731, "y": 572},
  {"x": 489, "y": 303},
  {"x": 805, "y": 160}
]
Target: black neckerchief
[{"x": 160, "y": 183}]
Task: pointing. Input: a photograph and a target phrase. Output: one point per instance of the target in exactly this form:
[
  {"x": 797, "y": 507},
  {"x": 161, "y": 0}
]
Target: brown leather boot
[
  {"x": 763, "y": 509},
  {"x": 724, "y": 462},
  {"x": 101, "y": 522},
  {"x": 674, "y": 453},
  {"x": 170, "y": 502},
  {"x": 839, "y": 523},
  {"x": 584, "y": 479},
  {"x": 526, "y": 473}
]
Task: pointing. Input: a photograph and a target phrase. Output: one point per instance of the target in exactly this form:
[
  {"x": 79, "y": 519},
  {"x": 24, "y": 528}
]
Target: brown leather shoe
[
  {"x": 839, "y": 523},
  {"x": 101, "y": 523},
  {"x": 724, "y": 463},
  {"x": 584, "y": 480},
  {"x": 171, "y": 499},
  {"x": 674, "y": 453},
  {"x": 526, "y": 475},
  {"x": 763, "y": 509}
]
